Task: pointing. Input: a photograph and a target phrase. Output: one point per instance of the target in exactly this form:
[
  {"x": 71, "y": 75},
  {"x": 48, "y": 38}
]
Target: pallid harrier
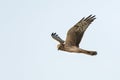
[{"x": 74, "y": 36}]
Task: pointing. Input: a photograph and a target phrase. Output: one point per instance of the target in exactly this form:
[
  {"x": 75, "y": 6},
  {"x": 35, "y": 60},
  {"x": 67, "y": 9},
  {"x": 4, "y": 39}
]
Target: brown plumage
[{"x": 74, "y": 36}]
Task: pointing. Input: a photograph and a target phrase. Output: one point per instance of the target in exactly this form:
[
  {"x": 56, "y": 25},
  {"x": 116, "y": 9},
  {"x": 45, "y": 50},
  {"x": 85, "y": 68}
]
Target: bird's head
[{"x": 60, "y": 46}]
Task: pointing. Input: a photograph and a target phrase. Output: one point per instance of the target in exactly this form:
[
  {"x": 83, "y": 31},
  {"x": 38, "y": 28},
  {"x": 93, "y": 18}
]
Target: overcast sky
[{"x": 27, "y": 51}]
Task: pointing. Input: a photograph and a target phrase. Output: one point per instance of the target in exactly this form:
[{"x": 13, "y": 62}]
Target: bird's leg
[{"x": 87, "y": 52}]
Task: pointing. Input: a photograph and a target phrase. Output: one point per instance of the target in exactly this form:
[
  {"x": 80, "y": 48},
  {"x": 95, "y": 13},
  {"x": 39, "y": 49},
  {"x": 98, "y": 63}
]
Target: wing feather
[
  {"x": 75, "y": 34},
  {"x": 56, "y": 37}
]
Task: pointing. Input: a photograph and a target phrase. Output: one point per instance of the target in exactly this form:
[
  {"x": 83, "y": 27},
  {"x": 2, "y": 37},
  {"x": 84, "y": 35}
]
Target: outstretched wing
[
  {"x": 75, "y": 34},
  {"x": 56, "y": 37}
]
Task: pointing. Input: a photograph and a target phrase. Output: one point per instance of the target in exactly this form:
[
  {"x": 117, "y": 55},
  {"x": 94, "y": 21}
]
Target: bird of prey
[{"x": 74, "y": 36}]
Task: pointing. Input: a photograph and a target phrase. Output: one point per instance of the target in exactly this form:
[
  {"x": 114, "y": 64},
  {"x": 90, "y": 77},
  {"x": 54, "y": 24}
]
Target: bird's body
[
  {"x": 74, "y": 37},
  {"x": 75, "y": 49}
]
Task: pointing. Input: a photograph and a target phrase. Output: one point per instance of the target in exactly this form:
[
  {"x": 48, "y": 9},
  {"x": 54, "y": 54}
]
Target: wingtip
[
  {"x": 53, "y": 33},
  {"x": 91, "y": 15}
]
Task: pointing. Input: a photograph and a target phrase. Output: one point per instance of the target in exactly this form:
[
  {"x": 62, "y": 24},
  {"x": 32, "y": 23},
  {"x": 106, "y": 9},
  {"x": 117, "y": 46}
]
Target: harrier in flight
[{"x": 74, "y": 36}]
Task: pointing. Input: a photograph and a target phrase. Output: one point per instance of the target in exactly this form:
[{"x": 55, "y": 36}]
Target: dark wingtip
[
  {"x": 92, "y": 16},
  {"x": 53, "y": 34}
]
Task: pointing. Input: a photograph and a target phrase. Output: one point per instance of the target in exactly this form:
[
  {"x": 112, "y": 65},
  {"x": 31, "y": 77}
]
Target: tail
[{"x": 92, "y": 53}]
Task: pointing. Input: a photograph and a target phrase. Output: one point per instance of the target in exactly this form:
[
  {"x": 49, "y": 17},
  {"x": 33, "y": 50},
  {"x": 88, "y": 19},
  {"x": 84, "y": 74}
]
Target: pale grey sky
[{"x": 27, "y": 51}]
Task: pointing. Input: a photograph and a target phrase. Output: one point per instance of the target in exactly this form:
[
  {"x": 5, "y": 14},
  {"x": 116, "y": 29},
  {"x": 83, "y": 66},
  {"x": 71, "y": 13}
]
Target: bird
[{"x": 74, "y": 37}]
